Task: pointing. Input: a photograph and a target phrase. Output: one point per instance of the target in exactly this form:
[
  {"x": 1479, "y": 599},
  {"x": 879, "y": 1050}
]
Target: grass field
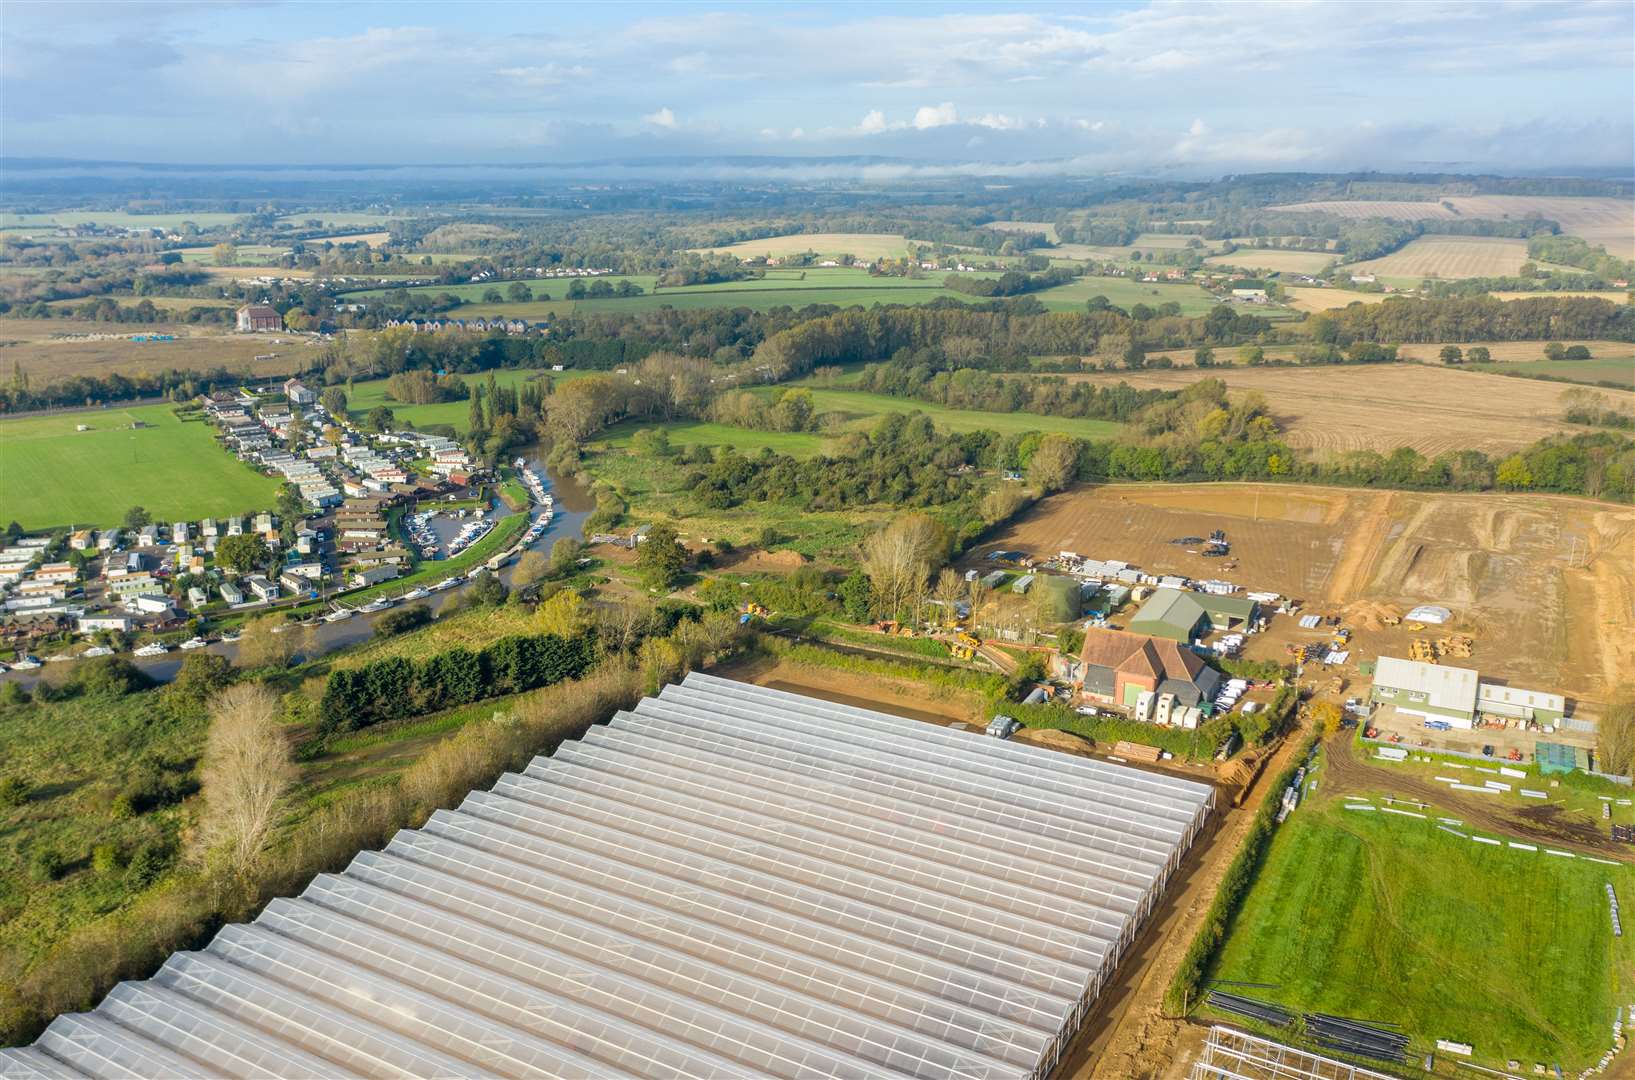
[
  {"x": 1274, "y": 260},
  {"x": 1449, "y": 257},
  {"x": 1388, "y": 918},
  {"x": 373, "y": 239},
  {"x": 52, "y": 475},
  {"x": 1600, "y": 220},
  {"x": 1610, "y": 295},
  {"x": 51, "y": 349},
  {"x": 863, "y": 409},
  {"x": 116, "y": 218},
  {"x": 248, "y": 254},
  {"x": 695, "y": 432},
  {"x": 859, "y": 245},
  {"x": 335, "y": 219},
  {"x": 367, "y": 395},
  {"x": 1124, "y": 293},
  {"x": 1592, "y": 372}
]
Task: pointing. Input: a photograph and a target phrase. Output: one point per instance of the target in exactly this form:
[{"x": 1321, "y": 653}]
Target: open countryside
[
  {"x": 50, "y": 350},
  {"x": 1449, "y": 257},
  {"x": 1605, "y": 221},
  {"x": 54, "y": 475},
  {"x": 1335, "y": 409}
]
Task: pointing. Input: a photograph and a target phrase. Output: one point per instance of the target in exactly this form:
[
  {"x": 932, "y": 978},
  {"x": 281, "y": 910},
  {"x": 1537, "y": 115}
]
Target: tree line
[{"x": 397, "y": 686}]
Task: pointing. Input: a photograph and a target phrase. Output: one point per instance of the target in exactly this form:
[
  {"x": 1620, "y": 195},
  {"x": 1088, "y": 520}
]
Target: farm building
[
  {"x": 1115, "y": 666},
  {"x": 1187, "y": 616},
  {"x": 726, "y": 880},
  {"x": 259, "y": 318},
  {"x": 1458, "y": 695}
]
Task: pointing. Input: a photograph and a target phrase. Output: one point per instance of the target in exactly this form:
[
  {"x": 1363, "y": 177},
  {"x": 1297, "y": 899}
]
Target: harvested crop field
[
  {"x": 1329, "y": 299},
  {"x": 1274, "y": 260},
  {"x": 1450, "y": 257},
  {"x": 50, "y": 350},
  {"x": 862, "y": 245},
  {"x": 1543, "y": 583},
  {"x": 1384, "y": 406},
  {"x": 1605, "y": 221}
]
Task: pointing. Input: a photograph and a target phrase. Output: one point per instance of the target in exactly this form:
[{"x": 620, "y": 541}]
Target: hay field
[
  {"x": 1450, "y": 257},
  {"x": 1310, "y": 300},
  {"x": 1605, "y": 221},
  {"x": 1519, "y": 351},
  {"x": 1544, "y": 583},
  {"x": 1608, "y": 295},
  {"x": 1274, "y": 260},
  {"x": 47, "y": 354},
  {"x": 860, "y": 245},
  {"x": 1331, "y": 409}
]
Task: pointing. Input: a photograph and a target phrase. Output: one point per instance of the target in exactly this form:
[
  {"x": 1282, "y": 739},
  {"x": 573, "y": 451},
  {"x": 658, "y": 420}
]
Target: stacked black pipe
[{"x": 1361, "y": 1038}]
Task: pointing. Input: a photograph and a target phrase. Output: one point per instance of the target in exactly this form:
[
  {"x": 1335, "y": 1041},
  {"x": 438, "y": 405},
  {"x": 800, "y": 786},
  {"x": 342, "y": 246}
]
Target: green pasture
[
  {"x": 863, "y": 409},
  {"x": 1123, "y": 292},
  {"x": 1599, "y": 370},
  {"x": 53, "y": 475},
  {"x": 694, "y": 432},
  {"x": 1387, "y": 918},
  {"x": 116, "y": 218},
  {"x": 366, "y": 395}
]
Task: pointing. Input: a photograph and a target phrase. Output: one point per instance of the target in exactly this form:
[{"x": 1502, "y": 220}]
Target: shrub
[
  {"x": 150, "y": 861},
  {"x": 14, "y": 791},
  {"x": 46, "y": 865},
  {"x": 105, "y": 859}
]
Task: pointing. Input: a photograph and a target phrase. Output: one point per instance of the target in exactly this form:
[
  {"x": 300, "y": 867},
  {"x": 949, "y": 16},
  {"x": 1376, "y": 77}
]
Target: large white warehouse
[{"x": 726, "y": 881}]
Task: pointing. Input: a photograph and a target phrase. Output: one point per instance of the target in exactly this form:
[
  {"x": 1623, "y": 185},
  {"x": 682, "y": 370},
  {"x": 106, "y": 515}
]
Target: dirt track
[{"x": 1345, "y": 773}]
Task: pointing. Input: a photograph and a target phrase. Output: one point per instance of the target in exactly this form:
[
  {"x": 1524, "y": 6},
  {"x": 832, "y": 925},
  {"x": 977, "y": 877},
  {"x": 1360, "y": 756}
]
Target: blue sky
[{"x": 1009, "y": 88}]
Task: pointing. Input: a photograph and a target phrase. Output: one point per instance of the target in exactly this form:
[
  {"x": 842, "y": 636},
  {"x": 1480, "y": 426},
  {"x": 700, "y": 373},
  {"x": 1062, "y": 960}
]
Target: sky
[{"x": 1008, "y": 89}]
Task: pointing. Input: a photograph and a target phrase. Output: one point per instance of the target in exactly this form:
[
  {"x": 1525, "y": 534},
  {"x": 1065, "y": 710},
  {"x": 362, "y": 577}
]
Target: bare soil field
[
  {"x": 862, "y": 245},
  {"x": 1498, "y": 352},
  {"x": 1274, "y": 260},
  {"x": 1329, "y": 299},
  {"x": 1333, "y": 408},
  {"x": 1545, "y": 584},
  {"x": 52, "y": 349},
  {"x": 1450, "y": 257},
  {"x": 1605, "y": 221}
]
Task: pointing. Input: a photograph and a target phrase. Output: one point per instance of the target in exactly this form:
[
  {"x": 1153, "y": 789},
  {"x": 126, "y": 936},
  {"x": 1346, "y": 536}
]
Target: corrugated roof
[
  {"x": 725, "y": 881},
  {"x": 1444, "y": 687}
]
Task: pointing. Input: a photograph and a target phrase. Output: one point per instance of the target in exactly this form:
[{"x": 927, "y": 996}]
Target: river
[{"x": 573, "y": 504}]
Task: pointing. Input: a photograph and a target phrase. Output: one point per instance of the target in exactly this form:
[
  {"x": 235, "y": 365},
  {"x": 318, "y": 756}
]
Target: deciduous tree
[{"x": 246, "y": 775}]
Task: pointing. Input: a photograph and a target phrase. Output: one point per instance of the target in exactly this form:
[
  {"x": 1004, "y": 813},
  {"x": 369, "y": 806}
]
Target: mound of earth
[{"x": 1065, "y": 741}]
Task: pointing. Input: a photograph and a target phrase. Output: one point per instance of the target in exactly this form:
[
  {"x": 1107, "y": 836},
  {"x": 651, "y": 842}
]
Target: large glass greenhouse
[{"x": 726, "y": 881}]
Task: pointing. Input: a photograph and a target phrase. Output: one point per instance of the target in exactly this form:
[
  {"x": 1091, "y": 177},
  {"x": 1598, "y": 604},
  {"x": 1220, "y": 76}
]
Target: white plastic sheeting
[{"x": 726, "y": 881}]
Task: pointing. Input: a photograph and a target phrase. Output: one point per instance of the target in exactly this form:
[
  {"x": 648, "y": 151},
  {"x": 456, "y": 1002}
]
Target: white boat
[
  {"x": 375, "y": 605},
  {"x": 198, "y": 642},
  {"x": 153, "y": 648},
  {"x": 416, "y": 594},
  {"x": 338, "y": 614},
  {"x": 446, "y": 583},
  {"x": 25, "y": 663},
  {"x": 231, "y": 639},
  {"x": 98, "y": 650}
]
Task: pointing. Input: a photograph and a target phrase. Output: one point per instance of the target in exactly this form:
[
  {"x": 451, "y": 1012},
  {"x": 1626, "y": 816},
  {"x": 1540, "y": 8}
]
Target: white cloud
[
  {"x": 872, "y": 124},
  {"x": 931, "y": 116},
  {"x": 663, "y": 118},
  {"x": 1000, "y": 122}
]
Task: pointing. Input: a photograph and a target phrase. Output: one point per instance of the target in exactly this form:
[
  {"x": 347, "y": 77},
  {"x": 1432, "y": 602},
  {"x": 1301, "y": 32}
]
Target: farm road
[{"x": 1347, "y": 774}]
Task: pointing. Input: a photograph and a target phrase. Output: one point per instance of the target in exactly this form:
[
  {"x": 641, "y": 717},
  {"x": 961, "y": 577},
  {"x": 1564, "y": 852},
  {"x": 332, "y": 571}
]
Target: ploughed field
[
  {"x": 1450, "y": 257},
  {"x": 1332, "y": 408},
  {"x": 1543, "y": 583}
]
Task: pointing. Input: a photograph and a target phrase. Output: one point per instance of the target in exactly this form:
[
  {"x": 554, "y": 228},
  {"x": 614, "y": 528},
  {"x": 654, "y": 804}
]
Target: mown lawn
[
  {"x": 53, "y": 475},
  {"x": 1384, "y": 917}
]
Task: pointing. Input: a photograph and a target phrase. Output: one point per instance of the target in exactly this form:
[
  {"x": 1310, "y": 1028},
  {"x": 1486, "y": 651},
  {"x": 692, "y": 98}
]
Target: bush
[
  {"x": 403, "y": 620},
  {"x": 14, "y": 791},
  {"x": 46, "y": 865},
  {"x": 150, "y": 861},
  {"x": 105, "y": 859}
]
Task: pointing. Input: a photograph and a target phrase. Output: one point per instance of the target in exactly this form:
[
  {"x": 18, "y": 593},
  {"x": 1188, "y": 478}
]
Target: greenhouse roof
[{"x": 726, "y": 881}]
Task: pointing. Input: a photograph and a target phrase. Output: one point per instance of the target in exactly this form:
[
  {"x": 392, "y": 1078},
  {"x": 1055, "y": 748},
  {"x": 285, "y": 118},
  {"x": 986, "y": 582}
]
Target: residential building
[
  {"x": 298, "y": 394},
  {"x": 374, "y": 575},
  {"x": 92, "y": 623},
  {"x": 232, "y": 593},
  {"x": 259, "y": 319},
  {"x": 262, "y": 588}
]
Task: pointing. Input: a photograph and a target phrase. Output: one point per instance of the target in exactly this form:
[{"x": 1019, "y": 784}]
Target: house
[
  {"x": 136, "y": 585},
  {"x": 197, "y": 597},
  {"x": 1116, "y": 667},
  {"x": 148, "y": 605},
  {"x": 82, "y": 540},
  {"x": 1187, "y": 616},
  {"x": 232, "y": 593},
  {"x": 263, "y": 589},
  {"x": 1430, "y": 691},
  {"x": 148, "y": 537},
  {"x": 296, "y": 584},
  {"x": 179, "y": 533},
  {"x": 92, "y": 623},
  {"x": 374, "y": 575},
  {"x": 259, "y": 319},
  {"x": 298, "y": 394},
  {"x": 59, "y": 572}
]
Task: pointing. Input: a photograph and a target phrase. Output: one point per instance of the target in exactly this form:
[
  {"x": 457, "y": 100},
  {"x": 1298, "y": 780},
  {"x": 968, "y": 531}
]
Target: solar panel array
[{"x": 726, "y": 881}]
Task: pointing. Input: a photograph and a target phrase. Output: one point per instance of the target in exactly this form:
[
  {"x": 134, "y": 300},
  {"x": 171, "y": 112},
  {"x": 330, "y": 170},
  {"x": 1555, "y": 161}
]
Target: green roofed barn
[{"x": 1187, "y": 616}]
